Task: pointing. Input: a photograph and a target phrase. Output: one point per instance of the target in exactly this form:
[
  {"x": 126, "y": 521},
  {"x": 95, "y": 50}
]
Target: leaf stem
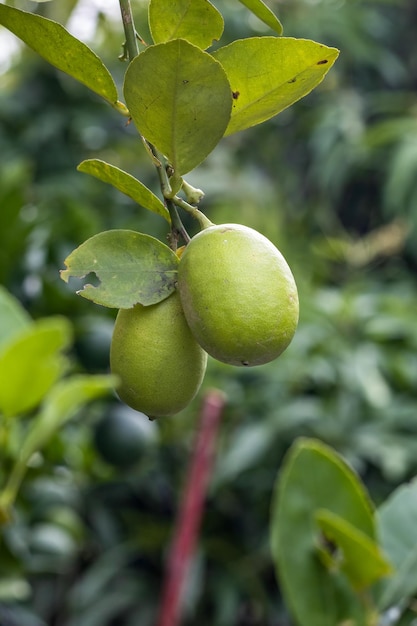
[
  {"x": 192, "y": 210},
  {"x": 129, "y": 28},
  {"x": 160, "y": 162}
]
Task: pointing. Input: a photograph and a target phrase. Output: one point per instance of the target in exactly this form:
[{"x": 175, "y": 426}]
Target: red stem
[{"x": 190, "y": 513}]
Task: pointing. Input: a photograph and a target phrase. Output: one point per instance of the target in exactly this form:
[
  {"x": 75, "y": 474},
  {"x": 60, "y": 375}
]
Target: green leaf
[
  {"x": 57, "y": 46},
  {"x": 32, "y": 363},
  {"x": 197, "y": 21},
  {"x": 357, "y": 556},
  {"x": 264, "y": 13},
  {"x": 64, "y": 400},
  {"x": 125, "y": 183},
  {"x": 13, "y": 317},
  {"x": 397, "y": 529},
  {"x": 268, "y": 74},
  {"x": 314, "y": 477},
  {"x": 180, "y": 101},
  {"x": 132, "y": 268}
]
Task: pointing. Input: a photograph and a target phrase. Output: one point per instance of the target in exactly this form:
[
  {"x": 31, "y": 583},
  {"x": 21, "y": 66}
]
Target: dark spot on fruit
[
  {"x": 323, "y": 62},
  {"x": 292, "y": 80},
  {"x": 235, "y": 95}
]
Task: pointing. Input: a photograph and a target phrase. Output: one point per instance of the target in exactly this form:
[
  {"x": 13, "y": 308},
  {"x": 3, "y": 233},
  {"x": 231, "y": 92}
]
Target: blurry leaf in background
[
  {"x": 397, "y": 530},
  {"x": 64, "y": 400},
  {"x": 31, "y": 362},
  {"x": 13, "y": 317},
  {"x": 15, "y": 178},
  {"x": 314, "y": 477}
]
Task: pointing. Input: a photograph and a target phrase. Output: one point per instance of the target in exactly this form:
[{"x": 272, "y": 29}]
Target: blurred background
[{"x": 332, "y": 181}]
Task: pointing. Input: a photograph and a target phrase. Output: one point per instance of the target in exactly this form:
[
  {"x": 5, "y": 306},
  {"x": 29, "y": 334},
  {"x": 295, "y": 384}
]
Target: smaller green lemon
[
  {"x": 238, "y": 294},
  {"x": 159, "y": 363}
]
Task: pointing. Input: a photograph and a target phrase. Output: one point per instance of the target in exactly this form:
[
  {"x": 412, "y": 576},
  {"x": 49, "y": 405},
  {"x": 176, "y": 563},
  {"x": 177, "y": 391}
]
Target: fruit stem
[
  {"x": 191, "y": 510},
  {"x": 196, "y": 213},
  {"x": 177, "y": 227}
]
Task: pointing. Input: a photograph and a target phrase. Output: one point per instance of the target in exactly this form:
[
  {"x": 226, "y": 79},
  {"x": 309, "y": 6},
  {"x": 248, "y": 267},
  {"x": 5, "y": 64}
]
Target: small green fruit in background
[
  {"x": 238, "y": 294},
  {"x": 122, "y": 438},
  {"x": 159, "y": 363}
]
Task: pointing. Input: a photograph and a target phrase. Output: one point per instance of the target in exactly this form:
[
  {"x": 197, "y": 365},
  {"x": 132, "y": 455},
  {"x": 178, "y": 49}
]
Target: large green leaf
[
  {"x": 397, "y": 529},
  {"x": 57, "y": 46},
  {"x": 130, "y": 266},
  {"x": 264, "y": 13},
  {"x": 13, "y": 317},
  {"x": 31, "y": 363},
  {"x": 197, "y": 21},
  {"x": 126, "y": 183},
  {"x": 180, "y": 101},
  {"x": 314, "y": 477},
  {"x": 356, "y": 555},
  {"x": 268, "y": 74}
]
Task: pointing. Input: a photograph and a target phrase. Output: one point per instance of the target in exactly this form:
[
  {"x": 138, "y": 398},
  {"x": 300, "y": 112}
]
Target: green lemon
[
  {"x": 238, "y": 294},
  {"x": 160, "y": 364}
]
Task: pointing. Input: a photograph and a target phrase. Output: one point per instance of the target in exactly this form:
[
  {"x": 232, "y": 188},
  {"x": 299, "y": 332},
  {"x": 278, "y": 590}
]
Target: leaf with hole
[
  {"x": 352, "y": 552},
  {"x": 131, "y": 267},
  {"x": 31, "y": 363},
  {"x": 268, "y": 74},
  {"x": 197, "y": 21},
  {"x": 264, "y": 14},
  {"x": 180, "y": 101},
  {"x": 126, "y": 183},
  {"x": 57, "y": 46},
  {"x": 314, "y": 477}
]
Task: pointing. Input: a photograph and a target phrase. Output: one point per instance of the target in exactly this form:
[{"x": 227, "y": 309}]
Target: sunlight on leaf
[
  {"x": 197, "y": 21},
  {"x": 57, "y": 46},
  {"x": 263, "y": 13},
  {"x": 268, "y": 74}
]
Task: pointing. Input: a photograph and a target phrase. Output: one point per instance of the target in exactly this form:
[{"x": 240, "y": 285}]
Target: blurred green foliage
[{"x": 332, "y": 181}]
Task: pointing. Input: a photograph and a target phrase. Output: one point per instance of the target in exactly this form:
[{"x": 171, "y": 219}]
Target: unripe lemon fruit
[
  {"x": 159, "y": 363},
  {"x": 238, "y": 294}
]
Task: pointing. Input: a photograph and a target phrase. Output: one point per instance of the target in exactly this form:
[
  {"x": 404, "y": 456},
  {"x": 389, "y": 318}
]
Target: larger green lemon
[
  {"x": 160, "y": 364},
  {"x": 238, "y": 294}
]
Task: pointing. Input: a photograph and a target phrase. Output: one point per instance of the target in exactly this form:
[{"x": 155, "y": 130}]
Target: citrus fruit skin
[
  {"x": 238, "y": 294},
  {"x": 159, "y": 363}
]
